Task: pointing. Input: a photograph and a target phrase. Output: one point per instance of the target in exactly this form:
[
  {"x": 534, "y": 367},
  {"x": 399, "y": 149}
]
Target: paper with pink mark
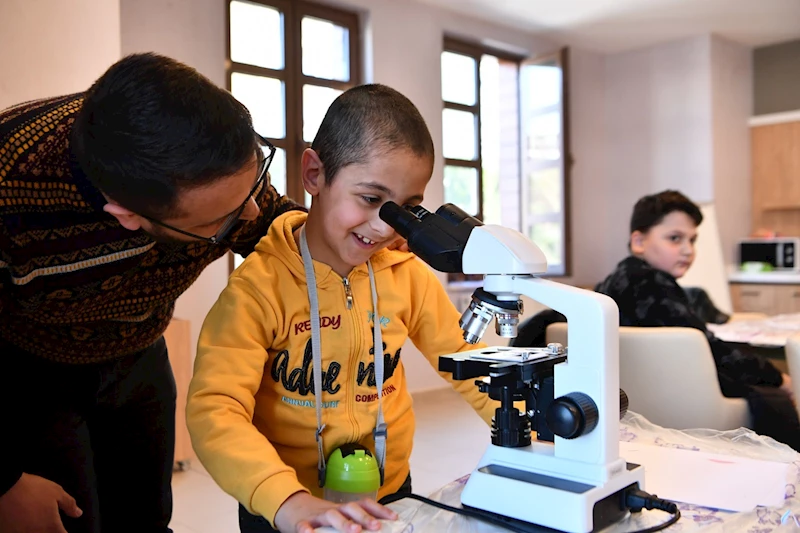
[{"x": 717, "y": 481}]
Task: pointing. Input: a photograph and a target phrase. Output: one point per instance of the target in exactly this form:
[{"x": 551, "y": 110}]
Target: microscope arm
[{"x": 592, "y": 365}]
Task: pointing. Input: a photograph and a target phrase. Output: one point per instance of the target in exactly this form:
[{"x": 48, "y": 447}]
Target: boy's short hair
[
  {"x": 366, "y": 119},
  {"x": 151, "y": 126},
  {"x": 650, "y": 210}
]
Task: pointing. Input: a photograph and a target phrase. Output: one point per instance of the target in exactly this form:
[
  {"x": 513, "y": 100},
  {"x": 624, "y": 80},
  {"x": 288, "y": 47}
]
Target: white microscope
[{"x": 575, "y": 481}]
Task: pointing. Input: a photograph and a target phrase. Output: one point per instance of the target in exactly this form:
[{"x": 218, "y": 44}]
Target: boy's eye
[{"x": 371, "y": 199}]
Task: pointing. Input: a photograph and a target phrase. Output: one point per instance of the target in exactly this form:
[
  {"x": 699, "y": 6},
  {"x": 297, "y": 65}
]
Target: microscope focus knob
[
  {"x": 623, "y": 403},
  {"x": 572, "y": 415}
]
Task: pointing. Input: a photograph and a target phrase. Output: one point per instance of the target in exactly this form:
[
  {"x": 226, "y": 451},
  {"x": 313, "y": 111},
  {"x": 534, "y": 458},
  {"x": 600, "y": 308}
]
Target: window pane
[
  {"x": 549, "y": 237},
  {"x": 461, "y": 188},
  {"x": 544, "y": 203},
  {"x": 545, "y": 215},
  {"x": 541, "y": 85},
  {"x": 264, "y": 97},
  {"x": 500, "y": 136},
  {"x": 277, "y": 171},
  {"x": 458, "y": 78},
  {"x": 459, "y": 135},
  {"x": 316, "y": 101},
  {"x": 326, "y": 49},
  {"x": 546, "y": 193},
  {"x": 544, "y": 137},
  {"x": 256, "y": 35}
]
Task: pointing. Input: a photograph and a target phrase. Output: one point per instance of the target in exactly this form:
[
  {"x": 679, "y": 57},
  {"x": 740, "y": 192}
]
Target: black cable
[
  {"x": 635, "y": 500},
  {"x": 675, "y": 517}
]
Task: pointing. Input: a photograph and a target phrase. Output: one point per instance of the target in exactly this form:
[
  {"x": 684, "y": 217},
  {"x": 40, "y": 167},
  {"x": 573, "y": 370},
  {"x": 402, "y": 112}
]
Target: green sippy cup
[{"x": 352, "y": 474}]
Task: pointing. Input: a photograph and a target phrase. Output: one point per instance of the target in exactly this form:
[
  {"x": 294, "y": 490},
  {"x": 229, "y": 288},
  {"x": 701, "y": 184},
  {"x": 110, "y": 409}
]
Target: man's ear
[
  {"x": 637, "y": 243},
  {"x": 312, "y": 171},
  {"x": 128, "y": 219}
]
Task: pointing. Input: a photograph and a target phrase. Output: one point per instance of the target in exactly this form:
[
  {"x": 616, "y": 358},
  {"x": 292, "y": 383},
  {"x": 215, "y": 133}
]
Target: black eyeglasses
[{"x": 266, "y": 153}]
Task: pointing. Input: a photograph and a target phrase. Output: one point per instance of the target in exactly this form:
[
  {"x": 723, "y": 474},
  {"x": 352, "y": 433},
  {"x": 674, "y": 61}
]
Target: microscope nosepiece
[{"x": 482, "y": 309}]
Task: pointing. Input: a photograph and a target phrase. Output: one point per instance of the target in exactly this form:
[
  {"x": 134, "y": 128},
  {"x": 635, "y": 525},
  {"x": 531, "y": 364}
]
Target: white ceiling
[{"x": 612, "y": 26}]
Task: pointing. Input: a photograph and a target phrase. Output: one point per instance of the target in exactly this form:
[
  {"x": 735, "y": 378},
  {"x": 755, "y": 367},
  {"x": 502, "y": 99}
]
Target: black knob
[
  {"x": 623, "y": 403},
  {"x": 572, "y": 415}
]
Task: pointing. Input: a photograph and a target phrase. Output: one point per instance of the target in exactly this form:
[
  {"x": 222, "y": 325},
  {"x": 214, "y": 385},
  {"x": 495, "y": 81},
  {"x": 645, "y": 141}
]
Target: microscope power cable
[{"x": 635, "y": 500}]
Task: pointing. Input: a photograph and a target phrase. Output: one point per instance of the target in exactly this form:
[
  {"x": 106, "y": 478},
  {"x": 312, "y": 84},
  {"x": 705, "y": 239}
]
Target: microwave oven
[{"x": 780, "y": 252}]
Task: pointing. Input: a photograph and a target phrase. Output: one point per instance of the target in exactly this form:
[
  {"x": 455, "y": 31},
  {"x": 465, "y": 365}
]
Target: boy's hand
[
  {"x": 786, "y": 385},
  {"x": 399, "y": 244},
  {"x": 32, "y": 504},
  {"x": 302, "y": 512}
]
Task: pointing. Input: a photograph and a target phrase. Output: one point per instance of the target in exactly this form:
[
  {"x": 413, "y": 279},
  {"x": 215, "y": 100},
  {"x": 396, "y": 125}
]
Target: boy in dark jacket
[{"x": 644, "y": 286}]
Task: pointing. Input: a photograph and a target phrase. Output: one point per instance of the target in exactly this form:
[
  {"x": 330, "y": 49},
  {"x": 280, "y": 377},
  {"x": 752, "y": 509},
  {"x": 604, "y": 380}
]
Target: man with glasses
[{"x": 112, "y": 202}]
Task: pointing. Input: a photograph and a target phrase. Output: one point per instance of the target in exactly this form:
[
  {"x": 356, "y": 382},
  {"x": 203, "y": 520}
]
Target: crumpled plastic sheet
[{"x": 417, "y": 517}]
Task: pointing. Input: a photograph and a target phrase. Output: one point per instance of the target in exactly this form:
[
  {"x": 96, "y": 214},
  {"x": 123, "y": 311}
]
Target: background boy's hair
[
  {"x": 366, "y": 120},
  {"x": 151, "y": 126},
  {"x": 650, "y": 210}
]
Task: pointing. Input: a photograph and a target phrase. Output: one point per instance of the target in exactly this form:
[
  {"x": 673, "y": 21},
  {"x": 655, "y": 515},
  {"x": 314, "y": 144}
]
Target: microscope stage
[
  {"x": 503, "y": 359},
  {"x": 508, "y": 354}
]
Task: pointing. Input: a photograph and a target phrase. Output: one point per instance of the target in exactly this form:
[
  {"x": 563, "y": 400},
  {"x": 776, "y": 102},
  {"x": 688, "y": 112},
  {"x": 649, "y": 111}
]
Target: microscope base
[{"x": 541, "y": 498}]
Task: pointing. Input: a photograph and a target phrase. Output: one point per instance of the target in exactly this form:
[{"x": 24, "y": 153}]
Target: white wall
[
  {"x": 658, "y": 115},
  {"x": 674, "y": 116},
  {"x": 732, "y": 101},
  {"x": 403, "y": 41},
  {"x": 191, "y": 31},
  {"x": 52, "y": 47}
]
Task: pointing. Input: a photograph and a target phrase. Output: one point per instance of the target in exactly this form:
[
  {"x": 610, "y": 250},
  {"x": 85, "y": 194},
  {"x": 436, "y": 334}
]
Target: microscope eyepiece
[
  {"x": 419, "y": 211},
  {"x": 455, "y": 215},
  {"x": 398, "y": 218}
]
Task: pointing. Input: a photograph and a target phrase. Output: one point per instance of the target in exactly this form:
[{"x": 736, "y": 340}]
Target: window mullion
[{"x": 294, "y": 103}]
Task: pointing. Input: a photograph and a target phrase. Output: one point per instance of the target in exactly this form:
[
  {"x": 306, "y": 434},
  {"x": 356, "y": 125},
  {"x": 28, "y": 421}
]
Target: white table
[
  {"x": 770, "y": 332},
  {"x": 418, "y": 518}
]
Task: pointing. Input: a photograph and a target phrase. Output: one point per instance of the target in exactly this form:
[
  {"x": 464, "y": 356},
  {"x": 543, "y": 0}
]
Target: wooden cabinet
[
  {"x": 771, "y": 299},
  {"x": 178, "y": 337},
  {"x": 776, "y": 177}
]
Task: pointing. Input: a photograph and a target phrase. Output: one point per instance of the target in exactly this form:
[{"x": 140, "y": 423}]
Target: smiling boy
[{"x": 256, "y": 404}]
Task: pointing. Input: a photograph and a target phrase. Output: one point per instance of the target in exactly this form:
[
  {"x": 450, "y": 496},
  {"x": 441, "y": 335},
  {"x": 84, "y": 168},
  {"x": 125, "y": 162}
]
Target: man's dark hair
[
  {"x": 366, "y": 120},
  {"x": 151, "y": 126},
  {"x": 650, "y": 210}
]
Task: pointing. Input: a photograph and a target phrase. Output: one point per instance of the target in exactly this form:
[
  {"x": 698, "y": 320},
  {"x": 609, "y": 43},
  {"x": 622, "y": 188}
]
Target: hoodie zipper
[
  {"x": 348, "y": 293},
  {"x": 354, "y": 359}
]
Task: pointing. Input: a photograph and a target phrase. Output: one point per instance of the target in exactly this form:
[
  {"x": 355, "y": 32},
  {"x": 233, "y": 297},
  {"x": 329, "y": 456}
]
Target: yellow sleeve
[
  {"x": 434, "y": 330},
  {"x": 231, "y": 354}
]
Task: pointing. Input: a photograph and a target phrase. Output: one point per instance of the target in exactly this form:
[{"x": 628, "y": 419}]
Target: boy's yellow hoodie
[{"x": 251, "y": 410}]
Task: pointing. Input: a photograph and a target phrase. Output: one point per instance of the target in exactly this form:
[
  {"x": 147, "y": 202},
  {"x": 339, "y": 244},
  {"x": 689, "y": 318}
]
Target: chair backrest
[
  {"x": 670, "y": 378},
  {"x": 793, "y": 361},
  {"x": 709, "y": 271}
]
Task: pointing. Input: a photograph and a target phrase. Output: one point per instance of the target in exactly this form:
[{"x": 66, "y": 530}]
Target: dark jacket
[{"x": 648, "y": 297}]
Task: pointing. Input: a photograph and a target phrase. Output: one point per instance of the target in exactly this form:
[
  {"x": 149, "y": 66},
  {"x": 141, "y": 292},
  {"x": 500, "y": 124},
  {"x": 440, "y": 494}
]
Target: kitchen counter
[{"x": 785, "y": 277}]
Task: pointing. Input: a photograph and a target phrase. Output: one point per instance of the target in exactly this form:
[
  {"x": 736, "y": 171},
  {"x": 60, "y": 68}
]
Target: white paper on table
[{"x": 711, "y": 480}]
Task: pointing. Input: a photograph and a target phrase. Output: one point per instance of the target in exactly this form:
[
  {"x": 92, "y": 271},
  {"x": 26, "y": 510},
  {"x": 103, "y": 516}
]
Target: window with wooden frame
[
  {"x": 505, "y": 143},
  {"x": 287, "y": 61}
]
